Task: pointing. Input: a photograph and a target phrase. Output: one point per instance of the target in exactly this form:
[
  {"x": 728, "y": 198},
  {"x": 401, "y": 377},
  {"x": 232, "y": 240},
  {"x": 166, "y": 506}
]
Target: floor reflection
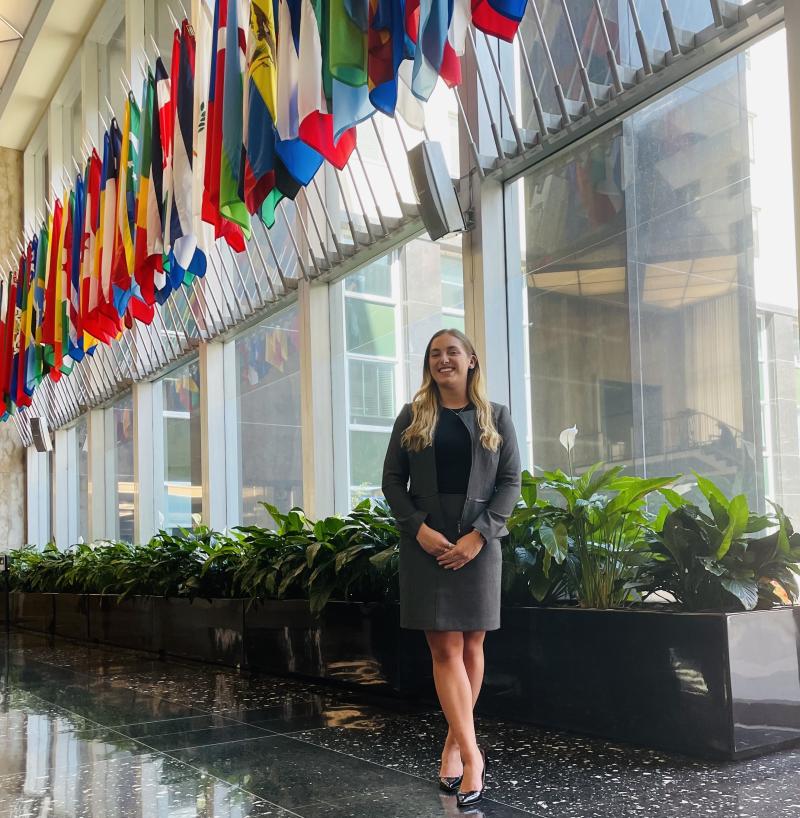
[{"x": 106, "y": 733}]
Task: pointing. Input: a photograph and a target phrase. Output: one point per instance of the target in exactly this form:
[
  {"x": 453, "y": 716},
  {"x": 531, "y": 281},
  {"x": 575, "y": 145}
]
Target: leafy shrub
[{"x": 712, "y": 560}]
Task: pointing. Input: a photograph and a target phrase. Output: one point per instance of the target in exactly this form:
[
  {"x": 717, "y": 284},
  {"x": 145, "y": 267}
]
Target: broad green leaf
[{"x": 746, "y": 591}]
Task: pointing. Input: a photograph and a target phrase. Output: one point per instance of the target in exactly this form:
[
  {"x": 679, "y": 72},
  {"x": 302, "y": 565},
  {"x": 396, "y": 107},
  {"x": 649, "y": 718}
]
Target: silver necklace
[{"x": 456, "y": 411}]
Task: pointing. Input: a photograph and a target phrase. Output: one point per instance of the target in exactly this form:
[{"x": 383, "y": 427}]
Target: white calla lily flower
[{"x": 567, "y": 438}]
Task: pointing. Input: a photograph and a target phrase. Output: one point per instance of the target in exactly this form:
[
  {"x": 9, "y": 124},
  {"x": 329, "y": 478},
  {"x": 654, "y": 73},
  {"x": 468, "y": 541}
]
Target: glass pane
[
  {"x": 663, "y": 329},
  {"x": 122, "y": 420},
  {"x": 367, "y": 450},
  {"x": 182, "y": 481},
  {"x": 427, "y": 295},
  {"x": 268, "y": 415},
  {"x": 370, "y": 328},
  {"x": 375, "y": 279}
]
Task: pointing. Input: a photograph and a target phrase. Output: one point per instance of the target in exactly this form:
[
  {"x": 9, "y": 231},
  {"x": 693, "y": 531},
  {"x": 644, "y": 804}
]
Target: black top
[{"x": 452, "y": 446}]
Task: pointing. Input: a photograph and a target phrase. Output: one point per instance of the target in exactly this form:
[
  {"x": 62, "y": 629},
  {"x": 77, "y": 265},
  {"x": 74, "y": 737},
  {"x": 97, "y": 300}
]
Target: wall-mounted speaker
[
  {"x": 41, "y": 435},
  {"x": 438, "y": 201}
]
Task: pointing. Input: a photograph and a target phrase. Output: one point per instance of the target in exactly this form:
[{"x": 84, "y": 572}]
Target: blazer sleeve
[
  {"x": 491, "y": 522},
  {"x": 396, "y": 472}
]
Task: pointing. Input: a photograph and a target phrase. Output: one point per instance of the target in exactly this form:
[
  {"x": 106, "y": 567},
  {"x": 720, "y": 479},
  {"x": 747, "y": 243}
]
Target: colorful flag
[
  {"x": 122, "y": 254},
  {"x": 317, "y": 127},
  {"x": 147, "y": 256},
  {"x": 386, "y": 43},
  {"x": 300, "y": 160},
  {"x": 231, "y": 182},
  {"x": 223, "y": 228},
  {"x": 89, "y": 280},
  {"x": 186, "y": 257},
  {"x": 75, "y": 339},
  {"x": 261, "y": 108},
  {"x": 428, "y": 23},
  {"x": 500, "y": 18}
]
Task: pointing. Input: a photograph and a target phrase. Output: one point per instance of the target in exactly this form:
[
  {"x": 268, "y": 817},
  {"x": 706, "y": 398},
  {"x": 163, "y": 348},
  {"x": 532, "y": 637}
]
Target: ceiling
[{"x": 31, "y": 69}]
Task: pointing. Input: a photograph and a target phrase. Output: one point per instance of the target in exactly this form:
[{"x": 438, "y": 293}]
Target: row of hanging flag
[{"x": 259, "y": 94}]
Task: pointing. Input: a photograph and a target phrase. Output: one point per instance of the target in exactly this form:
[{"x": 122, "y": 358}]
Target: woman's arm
[
  {"x": 395, "y": 479},
  {"x": 491, "y": 522}
]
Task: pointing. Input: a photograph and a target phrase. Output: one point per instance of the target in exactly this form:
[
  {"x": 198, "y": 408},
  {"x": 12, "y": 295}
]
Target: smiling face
[{"x": 449, "y": 363}]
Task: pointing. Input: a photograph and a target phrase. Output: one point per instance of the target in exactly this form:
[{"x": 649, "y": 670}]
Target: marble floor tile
[{"x": 88, "y": 730}]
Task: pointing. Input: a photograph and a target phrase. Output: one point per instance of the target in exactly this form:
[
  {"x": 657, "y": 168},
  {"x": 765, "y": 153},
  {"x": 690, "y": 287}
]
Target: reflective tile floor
[{"x": 88, "y": 731}]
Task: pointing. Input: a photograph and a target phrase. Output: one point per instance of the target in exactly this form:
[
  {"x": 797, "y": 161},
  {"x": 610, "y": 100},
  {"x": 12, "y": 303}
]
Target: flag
[
  {"x": 34, "y": 363},
  {"x": 75, "y": 339},
  {"x": 20, "y": 393},
  {"x": 39, "y": 290},
  {"x": 89, "y": 279},
  {"x": 54, "y": 351},
  {"x": 231, "y": 183},
  {"x": 500, "y": 18},
  {"x": 8, "y": 308},
  {"x": 223, "y": 228},
  {"x": 185, "y": 254},
  {"x": 386, "y": 45},
  {"x": 160, "y": 146},
  {"x": 300, "y": 160},
  {"x": 316, "y": 125},
  {"x": 347, "y": 44},
  {"x": 428, "y": 23},
  {"x": 122, "y": 254},
  {"x": 62, "y": 363},
  {"x": 147, "y": 256},
  {"x": 261, "y": 104},
  {"x": 102, "y": 321},
  {"x": 204, "y": 28}
]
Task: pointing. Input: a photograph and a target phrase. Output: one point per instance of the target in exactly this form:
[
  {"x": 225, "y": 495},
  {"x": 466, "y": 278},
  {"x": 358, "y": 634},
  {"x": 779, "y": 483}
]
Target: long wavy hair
[{"x": 425, "y": 403}]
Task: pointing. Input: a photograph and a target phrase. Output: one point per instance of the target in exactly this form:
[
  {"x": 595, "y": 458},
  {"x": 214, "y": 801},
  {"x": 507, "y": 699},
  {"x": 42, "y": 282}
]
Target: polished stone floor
[{"x": 87, "y": 731}]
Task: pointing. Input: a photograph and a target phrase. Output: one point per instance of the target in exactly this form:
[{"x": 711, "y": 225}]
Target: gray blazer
[{"x": 494, "y": 479}]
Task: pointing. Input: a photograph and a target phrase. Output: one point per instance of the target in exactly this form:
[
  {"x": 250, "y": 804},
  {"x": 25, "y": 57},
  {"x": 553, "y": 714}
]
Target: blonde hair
[{"x": 425, "y": 403}]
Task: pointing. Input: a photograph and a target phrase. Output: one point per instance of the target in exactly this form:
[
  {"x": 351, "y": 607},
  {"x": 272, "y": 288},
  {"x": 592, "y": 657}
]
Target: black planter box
[
  {"x": 32, "y": 611},
  {"x": 712, "y": 685},
  {"x": 72, "y": 616},
  {"x": 351, "y": 643},
  {"x": 127, "y": 624},
  {"x": 209, "y": 630}
]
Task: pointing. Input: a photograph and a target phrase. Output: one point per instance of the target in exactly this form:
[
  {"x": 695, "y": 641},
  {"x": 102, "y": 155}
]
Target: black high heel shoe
[
  {"x": 450, "y": 783},
  {"x": 467, "y": 799}
]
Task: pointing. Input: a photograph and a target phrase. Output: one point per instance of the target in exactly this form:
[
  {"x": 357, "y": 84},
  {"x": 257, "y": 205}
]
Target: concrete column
[
  {"x": 143, "y": 470},
  {"x": 792, "y": 18},
  {"x": 97, "y": 475},
  {"x": 213, "y": 440},
  {"x": 316, "y": 415}
]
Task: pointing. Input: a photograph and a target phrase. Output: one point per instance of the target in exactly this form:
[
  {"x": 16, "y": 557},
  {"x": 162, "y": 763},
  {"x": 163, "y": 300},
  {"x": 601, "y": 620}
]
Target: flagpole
[
  {"x": 266, "y": 269},
  {"x": 320, "y": 239},
  {"x": 222, "y": 287},
  {"x": 230, "y": 282},
  {"x": 294, "y": 241},
  {"x": 360, "y": 201},
  {"x": 241, "y": 278},
  {"x": 388, "y": 163},
  {"x": 278, "y": 266},
  {"x": 334, "y": 233}
]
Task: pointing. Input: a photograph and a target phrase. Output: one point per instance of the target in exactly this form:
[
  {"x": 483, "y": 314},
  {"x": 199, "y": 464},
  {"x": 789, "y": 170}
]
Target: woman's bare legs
[{"x": 458, "y": 674}]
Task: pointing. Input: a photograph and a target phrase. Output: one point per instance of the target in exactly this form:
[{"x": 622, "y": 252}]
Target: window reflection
[
  {"x": 181, "y": 472},
  {"x": 653, "y": 320},
  {"x": 268, "y": 417},
  {"x": 123, "y": 495}
]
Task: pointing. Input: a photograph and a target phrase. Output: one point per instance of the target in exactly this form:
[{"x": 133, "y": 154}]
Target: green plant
[
  {"x": 712, "y": 560},
  {"x": 334, "y": 557},
  {"x": 534, "y": 567},
  {"x": 602, "y": 520}
]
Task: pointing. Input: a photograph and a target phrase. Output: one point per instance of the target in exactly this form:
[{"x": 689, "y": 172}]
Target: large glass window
[
  {"x": 390, "y": 310},
  {"x": 179, "y": 479},
  {"x": 119, "y": 434},
  {"x": 652, "y": 318},
  {"x": 268, "y": 417}
]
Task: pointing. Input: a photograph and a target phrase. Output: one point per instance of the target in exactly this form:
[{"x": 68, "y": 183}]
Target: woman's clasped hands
[{"x": 450, "y": 555}]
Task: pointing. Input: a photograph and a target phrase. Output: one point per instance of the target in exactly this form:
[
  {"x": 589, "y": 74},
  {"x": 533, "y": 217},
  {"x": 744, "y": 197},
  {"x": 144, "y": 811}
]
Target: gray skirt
[{"x": 440, "y": 599}]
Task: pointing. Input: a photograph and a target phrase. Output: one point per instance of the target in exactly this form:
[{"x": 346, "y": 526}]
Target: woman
[{"x": 460, "y": 452}]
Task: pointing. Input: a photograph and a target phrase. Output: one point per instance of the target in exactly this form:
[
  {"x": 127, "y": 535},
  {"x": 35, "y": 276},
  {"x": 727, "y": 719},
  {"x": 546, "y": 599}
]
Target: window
[
  {"x": 649, "y": 319},
  {"x": 121, "y": 485},
  {"x": 178, "y": 464},
  {"x": 389, "y": 311},
  {"x": 267, "y": 392}
]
